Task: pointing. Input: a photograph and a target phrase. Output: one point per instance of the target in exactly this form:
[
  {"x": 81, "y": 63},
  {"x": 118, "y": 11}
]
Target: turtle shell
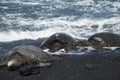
[
  {"x": 28, "y": 52},
  {"x": 58, "y": 41},
  {"x": 105, "y": 40}
]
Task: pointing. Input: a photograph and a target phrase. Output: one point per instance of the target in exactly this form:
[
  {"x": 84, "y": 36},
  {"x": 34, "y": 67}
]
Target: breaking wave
[{"x": 32, "y": 19}]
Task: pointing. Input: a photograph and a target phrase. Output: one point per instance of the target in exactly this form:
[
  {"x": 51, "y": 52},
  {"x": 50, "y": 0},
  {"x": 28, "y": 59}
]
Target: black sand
[
  {"x": 95, "y": 65},
  {"x": 85, "y": 67}
]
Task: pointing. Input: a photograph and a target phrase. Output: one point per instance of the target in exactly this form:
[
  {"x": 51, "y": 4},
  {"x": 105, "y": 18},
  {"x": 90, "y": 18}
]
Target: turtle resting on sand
[
  {"x": 27, "y": 58},
  {"x": 59, "y": 41},
  {"x": 101, "y": 40},
  {"x": 105, "y": 40}
]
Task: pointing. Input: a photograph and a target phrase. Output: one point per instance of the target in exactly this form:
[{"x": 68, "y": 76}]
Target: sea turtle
[
  {"x": 59, "y": 41},
  {"x": 30, "y": 56},
  {"x": 105, "y": 40}
]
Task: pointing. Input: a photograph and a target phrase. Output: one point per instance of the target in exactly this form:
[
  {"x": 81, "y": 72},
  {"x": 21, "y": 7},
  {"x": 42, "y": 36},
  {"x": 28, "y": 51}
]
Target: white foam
[
  {"x": 30, "y": 3},
  {"x": 80, "y": 28},
  {"x": 112, "y": 48},
  {"x": 66, "y": 53},
  {"x": 84, "y": 2},
  {"x": 3, "y": 7},
  {"x": 13, "y": 35},
  {"x": 80, "y": 51}
]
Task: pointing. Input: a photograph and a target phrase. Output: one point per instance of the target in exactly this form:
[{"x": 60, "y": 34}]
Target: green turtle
[
  {"x": 105, "y": 40},
  {"x": 23, "y": 54},
  {"x": 59, "y": 41}
]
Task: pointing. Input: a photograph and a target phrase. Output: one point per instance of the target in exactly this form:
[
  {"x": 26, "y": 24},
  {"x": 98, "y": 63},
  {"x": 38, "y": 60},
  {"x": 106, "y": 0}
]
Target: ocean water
[{"x": 33, "y": 19}]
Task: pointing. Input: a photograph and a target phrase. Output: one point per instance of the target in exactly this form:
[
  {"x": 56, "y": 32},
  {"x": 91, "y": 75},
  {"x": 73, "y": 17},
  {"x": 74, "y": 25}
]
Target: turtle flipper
[
  {"x": 29, "y": 68},
  {"x": 32, "y": 67},
  {"x": 13, "y": 64}
]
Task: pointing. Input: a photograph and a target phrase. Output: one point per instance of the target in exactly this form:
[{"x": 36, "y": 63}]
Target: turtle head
[
  {"x": 97, "y": 41},
  {"x": 13, "y": 64},
  {"x": 56, "y": 46}
]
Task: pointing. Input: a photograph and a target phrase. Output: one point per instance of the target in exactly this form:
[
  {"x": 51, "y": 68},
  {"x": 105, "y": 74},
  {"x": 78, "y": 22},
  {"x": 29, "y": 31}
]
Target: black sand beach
[
  {"x": 33, "y": 19},
  {"x": 95, "y": 65}
]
